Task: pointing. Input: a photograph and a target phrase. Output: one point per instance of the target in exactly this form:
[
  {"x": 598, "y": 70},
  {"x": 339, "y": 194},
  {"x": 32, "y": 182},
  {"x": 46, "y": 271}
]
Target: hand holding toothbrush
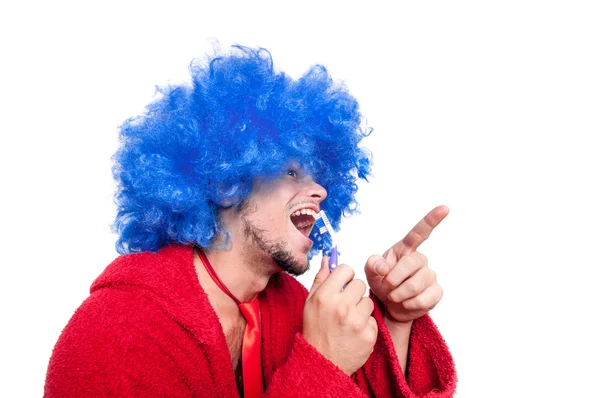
[
  {"x": 401, "y": 278},
  {"x": 338, "y": 323}
]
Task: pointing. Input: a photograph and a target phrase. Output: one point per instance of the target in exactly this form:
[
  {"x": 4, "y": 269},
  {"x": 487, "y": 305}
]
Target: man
[{"x": 218, "y": 183}]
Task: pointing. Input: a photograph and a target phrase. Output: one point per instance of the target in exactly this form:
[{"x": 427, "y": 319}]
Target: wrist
[
  {"x": 400, "y": 335},
  {"x": 397, "y": 325}
]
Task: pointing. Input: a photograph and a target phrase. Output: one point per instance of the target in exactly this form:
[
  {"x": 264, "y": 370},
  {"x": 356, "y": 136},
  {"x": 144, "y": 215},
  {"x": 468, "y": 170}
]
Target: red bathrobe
[{"x": 148, "y": 329}]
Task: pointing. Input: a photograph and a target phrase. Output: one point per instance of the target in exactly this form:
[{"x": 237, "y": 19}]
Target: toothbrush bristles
[
  {"x": 326, "y": 221},
  {"x": 322, "y": 222}
]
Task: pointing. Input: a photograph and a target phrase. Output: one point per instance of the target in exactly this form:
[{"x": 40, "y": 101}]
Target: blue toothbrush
[{"x": 322, "y": 222}]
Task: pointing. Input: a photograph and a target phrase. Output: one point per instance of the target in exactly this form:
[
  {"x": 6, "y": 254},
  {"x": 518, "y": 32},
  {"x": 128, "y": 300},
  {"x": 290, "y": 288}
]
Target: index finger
[
  {"x": 423, "y": 229},
  {"x": 321, "y": 276},
  {"x": 338, "y": 278}
]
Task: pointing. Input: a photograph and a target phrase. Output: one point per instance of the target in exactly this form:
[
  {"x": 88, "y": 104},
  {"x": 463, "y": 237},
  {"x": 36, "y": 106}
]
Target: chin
[
  {"x": 299, "y": 270},
  {"x": 292, "y": 264}
]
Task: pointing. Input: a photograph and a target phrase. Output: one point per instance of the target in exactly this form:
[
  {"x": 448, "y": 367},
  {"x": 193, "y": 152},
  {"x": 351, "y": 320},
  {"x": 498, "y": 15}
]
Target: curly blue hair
[{"x": 198, "y": 147}]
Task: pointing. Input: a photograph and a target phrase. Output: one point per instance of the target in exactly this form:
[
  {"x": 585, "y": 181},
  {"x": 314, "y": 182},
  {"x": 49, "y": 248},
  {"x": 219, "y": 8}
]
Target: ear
[
  {"x": 229, "y": 202},
  {"x": 230, "y": 194}
]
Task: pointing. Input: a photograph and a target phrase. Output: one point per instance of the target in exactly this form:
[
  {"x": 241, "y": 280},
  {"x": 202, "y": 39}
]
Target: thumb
[
  {"x": 321, "y": 275},
  {"x": 376, "y": 267}
]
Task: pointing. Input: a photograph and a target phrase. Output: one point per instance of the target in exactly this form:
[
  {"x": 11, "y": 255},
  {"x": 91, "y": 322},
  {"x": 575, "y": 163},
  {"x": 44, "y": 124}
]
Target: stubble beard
[{"x": 277, "y": 250}]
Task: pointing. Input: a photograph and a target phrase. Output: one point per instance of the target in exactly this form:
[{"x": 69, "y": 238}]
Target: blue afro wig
[{"x": 200, "y": 146}]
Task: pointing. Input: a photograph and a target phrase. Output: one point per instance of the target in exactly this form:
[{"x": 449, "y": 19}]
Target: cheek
[
  {"x": 272, "y": 223},
  {"x": 269, "y": 219},
  {"x": 271, "y": 204}
]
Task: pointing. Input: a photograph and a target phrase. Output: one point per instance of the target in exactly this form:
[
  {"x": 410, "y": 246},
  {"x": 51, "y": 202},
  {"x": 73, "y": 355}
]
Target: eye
[{"x": 292, "y": 173}]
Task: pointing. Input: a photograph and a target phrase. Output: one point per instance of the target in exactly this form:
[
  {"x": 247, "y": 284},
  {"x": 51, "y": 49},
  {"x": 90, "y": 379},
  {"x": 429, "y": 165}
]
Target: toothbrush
[{"x": 322, "y": 222}]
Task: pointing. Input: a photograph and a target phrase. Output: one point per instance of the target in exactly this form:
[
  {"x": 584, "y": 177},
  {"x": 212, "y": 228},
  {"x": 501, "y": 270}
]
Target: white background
[{"x": 491, "y": 108}]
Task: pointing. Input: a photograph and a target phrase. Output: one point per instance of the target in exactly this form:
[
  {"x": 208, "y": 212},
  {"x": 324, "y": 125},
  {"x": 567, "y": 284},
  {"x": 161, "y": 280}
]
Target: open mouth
[{"x": 303, "y": 220}]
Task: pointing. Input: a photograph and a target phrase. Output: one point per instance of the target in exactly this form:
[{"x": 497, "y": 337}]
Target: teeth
[
  {"x": 304, "y": 212},
  {"x": 306, "y": 223}
]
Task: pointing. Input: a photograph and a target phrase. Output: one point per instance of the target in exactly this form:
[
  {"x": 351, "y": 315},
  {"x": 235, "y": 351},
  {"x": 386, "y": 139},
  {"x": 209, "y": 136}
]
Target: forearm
[{"x": 400, "y": 334}]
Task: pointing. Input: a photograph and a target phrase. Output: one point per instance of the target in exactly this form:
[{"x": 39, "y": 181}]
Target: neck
[
  {"x": 241, "y": 267},
  {"x": 245, "y": 277}
]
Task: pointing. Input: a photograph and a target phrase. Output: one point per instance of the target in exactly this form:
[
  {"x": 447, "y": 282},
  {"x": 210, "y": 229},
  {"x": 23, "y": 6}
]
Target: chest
[{"x": 234, "y": 334}]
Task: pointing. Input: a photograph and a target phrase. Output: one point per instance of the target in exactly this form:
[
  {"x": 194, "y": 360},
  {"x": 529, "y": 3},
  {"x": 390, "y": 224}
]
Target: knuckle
[
  {"x": 357, "y": 283},
  {"x": 357, "y": 326},
  {"x": 372, "y": 331},
  {"x": 371, "y": 338},
  {"x": 415, "y": 236},
  {"x": 410, "y": 305},
  {"x": 416, "y": 260},
  {"x": 412, "y": 287},
  {"x": 341, "y": 312},
  {"x": 367, "y": 304},
  {"x": 370, "y": 305},
  {"x": 393, "y": 296},
  {"x": 373, "y": 259},
  {"x": 347, "y": 270},
  {"x": 408, "y": 263},
  {"x": 418, "y": 303},
  {"x": 390, "y": 281},
  {"x": 362, "y": 286},
  {"x": 319, "y": 300},
  {"x": 421, "y": 257}
]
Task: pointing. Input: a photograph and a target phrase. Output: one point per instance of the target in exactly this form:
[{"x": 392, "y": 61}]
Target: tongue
[{"x": 301, "y": 220}]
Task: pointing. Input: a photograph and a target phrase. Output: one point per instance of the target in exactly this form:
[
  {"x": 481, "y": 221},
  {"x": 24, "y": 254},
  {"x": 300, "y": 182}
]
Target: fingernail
[{"x": 381, "y": 267}]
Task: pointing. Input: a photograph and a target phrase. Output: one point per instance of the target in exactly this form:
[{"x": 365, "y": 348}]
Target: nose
[{"x": 316, "y": 191}]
